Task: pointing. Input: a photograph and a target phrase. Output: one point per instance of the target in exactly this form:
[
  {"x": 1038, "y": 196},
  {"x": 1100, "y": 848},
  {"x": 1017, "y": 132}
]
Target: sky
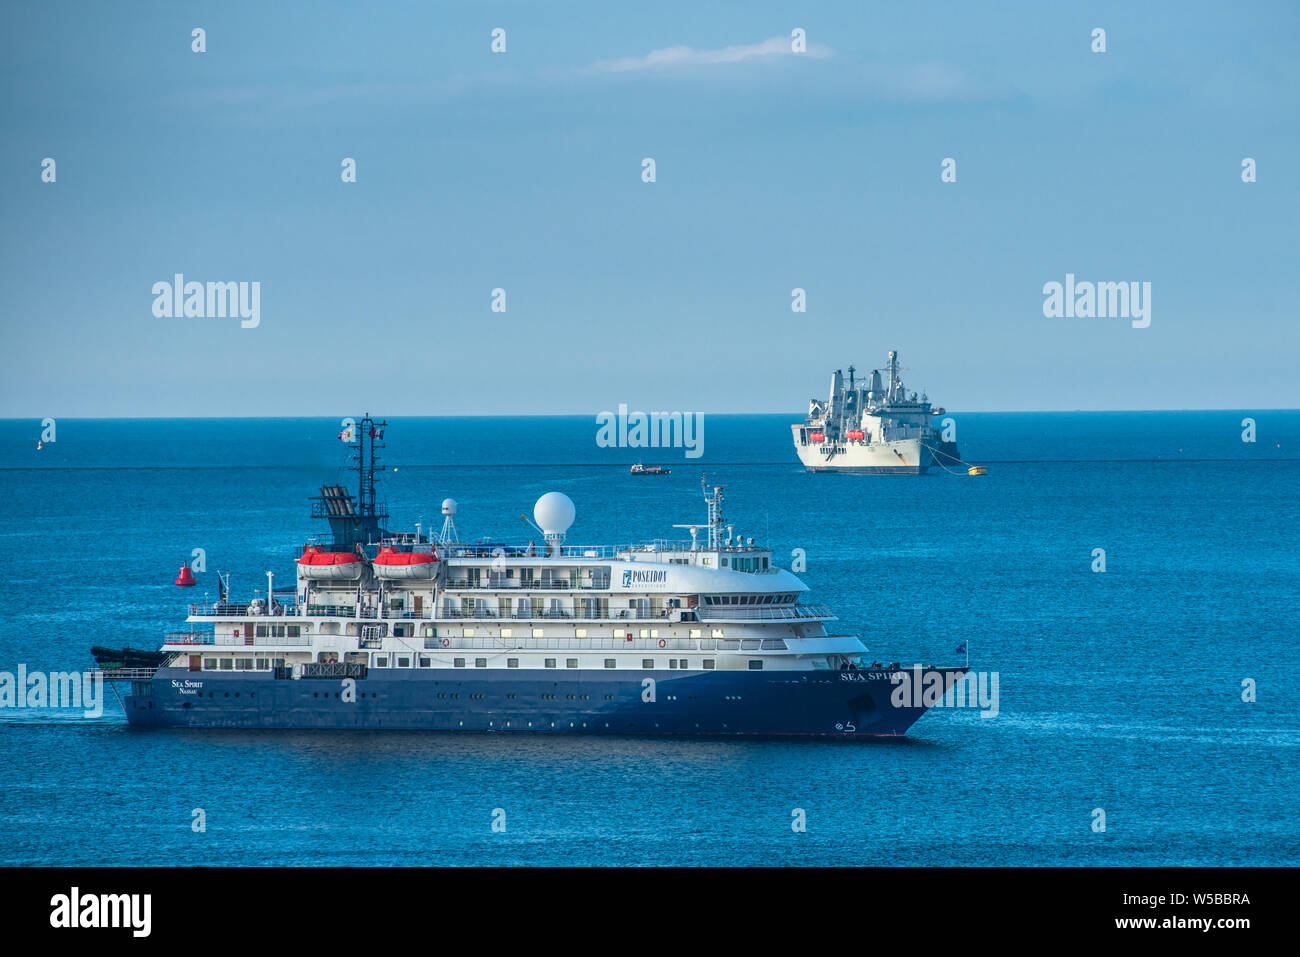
[{"x": 523, "y": 171}]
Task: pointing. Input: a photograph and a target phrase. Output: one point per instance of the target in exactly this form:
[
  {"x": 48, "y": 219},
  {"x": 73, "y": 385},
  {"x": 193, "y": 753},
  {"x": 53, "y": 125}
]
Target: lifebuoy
[
  {"x": 662, "y": 643},
  {"x": 446, "y": 642}
]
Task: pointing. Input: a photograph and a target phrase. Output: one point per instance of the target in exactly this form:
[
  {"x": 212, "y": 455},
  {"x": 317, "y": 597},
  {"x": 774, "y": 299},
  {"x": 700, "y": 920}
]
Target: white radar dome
[
  {"x": 448, "y": 506},
  {"x": 554, "y": 513}
]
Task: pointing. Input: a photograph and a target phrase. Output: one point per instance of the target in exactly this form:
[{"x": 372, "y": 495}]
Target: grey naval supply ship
[
  {"x": 872, "y": 427},
  {"x": 411, "y": 630}
]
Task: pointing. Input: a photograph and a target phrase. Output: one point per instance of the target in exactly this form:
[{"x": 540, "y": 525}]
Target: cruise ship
[
  {"x": 872, "y": 427},
  {"x": 419, "y": 630}
]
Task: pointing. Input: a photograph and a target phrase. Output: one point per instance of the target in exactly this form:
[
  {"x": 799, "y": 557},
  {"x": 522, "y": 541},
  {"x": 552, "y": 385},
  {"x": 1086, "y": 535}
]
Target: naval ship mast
[{"x": 356, "y": 520}]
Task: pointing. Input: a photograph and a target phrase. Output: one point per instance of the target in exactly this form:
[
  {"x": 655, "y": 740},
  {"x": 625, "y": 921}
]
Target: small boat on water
[
  {"x": 977, "y": 470},
  {"x": 640, "y": 469}
]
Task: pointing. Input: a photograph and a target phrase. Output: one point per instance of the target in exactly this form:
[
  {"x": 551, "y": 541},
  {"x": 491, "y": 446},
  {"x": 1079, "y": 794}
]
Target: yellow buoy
[{"x": 977, "y": 470}]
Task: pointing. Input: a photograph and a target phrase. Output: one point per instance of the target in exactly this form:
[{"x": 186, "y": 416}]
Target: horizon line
[{"x": 575, "y": 415}]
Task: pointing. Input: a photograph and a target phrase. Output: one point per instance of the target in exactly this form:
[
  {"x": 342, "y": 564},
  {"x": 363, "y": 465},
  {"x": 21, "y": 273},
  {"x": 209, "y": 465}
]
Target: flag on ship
[{"x": 348, "y": 434}]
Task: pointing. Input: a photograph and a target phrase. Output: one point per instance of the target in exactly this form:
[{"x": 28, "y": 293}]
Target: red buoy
[{"x": 186, "y": 578}]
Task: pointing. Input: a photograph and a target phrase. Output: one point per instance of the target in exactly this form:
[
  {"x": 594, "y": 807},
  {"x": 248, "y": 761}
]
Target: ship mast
[
  {"x": 369, "y": 441},
  {"x": 714, "y": 501},
  {"x": 356, "y": 520}
]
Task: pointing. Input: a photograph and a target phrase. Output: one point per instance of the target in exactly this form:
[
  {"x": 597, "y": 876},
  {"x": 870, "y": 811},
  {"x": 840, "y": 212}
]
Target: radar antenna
[{"x": 448, "y": 535}]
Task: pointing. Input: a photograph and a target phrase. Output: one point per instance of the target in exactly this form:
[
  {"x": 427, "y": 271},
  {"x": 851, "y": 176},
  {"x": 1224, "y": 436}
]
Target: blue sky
[{"x": 522, "y": 170}]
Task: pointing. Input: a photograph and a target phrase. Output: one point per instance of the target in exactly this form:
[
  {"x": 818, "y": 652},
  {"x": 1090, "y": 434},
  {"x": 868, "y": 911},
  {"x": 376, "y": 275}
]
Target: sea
[{"x": 1132, "y": 579}]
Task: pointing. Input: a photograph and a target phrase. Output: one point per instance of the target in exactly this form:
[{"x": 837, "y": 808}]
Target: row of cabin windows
[
  {"x": 431, "y": 632},
  {"x": 743, "y": 564},
  {"x": 278, "y": 631},
  {"x": 748, "y": 599},
  {"x": 242, "y": 664},
  {"x": 425, "y": 661},
  {"x": 715, "y": 639}
]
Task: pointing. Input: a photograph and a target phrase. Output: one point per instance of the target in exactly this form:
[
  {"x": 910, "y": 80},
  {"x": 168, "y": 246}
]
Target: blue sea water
[{"x": 1120, "y": 690}]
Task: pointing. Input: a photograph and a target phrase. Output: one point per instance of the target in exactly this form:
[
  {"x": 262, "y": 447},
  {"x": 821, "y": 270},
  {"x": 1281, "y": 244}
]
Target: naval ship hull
[
  {"x": 832, "y": 704},
  {"x": 904, "y": 457}
]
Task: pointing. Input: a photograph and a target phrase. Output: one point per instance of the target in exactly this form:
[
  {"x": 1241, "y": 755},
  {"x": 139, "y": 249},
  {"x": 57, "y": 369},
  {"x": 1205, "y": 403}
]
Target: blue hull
[{"x": 828, "y": 704}]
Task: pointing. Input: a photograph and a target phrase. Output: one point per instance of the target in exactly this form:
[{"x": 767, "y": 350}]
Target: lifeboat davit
[
  {"x": 186, "y": 578},
  {"x": 393, "y": 564},
  {"x": 330, "y": 566}
]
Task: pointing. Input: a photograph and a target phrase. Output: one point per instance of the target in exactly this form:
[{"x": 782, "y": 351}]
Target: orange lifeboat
[
  {"x": 816, "y": 437},
  {"x": 392, "y": 564},
  {"x": 330, "y": 566}
]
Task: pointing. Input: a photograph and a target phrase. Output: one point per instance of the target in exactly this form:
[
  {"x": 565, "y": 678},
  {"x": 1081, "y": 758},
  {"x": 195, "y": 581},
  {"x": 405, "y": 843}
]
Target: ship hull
[
  {"x": 904, "y": 457},
  {"x": 832, "y": 704}
]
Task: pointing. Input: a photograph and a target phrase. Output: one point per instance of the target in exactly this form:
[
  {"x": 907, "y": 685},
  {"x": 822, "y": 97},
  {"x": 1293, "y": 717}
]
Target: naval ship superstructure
[
  {"x": 872, "y": 427},
  {"x": 417, "y": 631}
]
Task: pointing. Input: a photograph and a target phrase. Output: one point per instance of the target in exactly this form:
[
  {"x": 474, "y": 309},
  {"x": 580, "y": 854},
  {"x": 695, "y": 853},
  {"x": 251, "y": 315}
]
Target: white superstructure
[
  {"x": 714, "y": 602},
  {"x": 871, "y": 427}
]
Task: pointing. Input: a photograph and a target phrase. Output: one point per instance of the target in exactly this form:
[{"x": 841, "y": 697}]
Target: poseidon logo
[{"x": 640, "y": 578}]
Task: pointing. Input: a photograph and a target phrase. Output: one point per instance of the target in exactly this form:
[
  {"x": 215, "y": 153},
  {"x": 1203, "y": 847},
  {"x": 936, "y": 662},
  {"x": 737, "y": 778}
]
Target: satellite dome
[
  {"x": 448, "y": 506},
  {"x": 554, "y": 513}
]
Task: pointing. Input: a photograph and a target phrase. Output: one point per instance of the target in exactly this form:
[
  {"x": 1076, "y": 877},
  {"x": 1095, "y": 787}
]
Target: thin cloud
[{"x": 670, "y": 58}]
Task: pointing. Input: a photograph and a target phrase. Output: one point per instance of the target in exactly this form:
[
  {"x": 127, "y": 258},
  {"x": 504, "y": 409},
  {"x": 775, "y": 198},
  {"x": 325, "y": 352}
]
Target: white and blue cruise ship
[{"x": 420, "y": 631}]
